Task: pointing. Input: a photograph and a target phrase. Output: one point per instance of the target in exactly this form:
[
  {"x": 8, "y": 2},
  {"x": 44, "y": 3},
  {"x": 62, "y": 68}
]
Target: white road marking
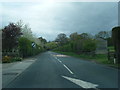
[
  {"x": 59, "y": 60},
  {"x": 81, "y": 83},
  {"x": 64, "y": 65},
  {"x": 68, "y": 69}
]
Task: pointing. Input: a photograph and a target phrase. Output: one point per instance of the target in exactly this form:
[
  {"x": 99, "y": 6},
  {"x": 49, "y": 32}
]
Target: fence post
[
  {"x": 108, "y": 54},
  {"x": 114, "y": 61}
]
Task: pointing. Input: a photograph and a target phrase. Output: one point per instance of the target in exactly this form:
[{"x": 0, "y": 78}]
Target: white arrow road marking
[{"x": 81, "y": 83}]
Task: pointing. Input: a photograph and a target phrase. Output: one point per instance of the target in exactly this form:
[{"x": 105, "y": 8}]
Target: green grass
[
  {"x": 99, "y": 58},
  {"x": 111, "y": 48}
]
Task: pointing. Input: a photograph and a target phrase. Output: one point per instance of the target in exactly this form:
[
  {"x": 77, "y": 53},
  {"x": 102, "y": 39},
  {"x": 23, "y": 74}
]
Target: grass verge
[{"x": 99, "y": 58}]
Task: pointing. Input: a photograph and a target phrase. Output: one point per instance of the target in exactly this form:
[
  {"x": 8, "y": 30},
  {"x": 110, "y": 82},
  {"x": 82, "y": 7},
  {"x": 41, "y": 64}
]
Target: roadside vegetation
[
  {"x": 99, "y": 58},
  {"x": 90, "y": 47},
  {"x": 18, "y": 42}
]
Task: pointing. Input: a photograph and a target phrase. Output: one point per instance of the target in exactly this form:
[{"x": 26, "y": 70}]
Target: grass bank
[{"x": 99, "y": 58}]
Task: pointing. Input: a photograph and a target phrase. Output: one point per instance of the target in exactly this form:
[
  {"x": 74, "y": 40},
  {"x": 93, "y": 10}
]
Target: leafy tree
[
  {"x": 10, "y": 35},
  {"x": 89, "y": 45},
  {"x": 79, "y": 43},
  {"x": 44, "y": 41},
  {"x": 85, "y": 35},
  {"x": 74, "y": 36},
  {"x": 26, "y": 48},
  {"x": 103, "y": 34},
  {"x": 62, "y": 39},
  {"x": 20, "y": 23},
  {"x": 51, "y": 45},
  {"x": 27, "y": 32}
]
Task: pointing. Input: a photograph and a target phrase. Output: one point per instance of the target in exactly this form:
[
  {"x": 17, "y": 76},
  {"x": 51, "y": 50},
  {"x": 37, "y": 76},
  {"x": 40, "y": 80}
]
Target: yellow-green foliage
[
  {"x": 6, "y": 59},
  {"x": 26, "y": 49},
  {"x": 79, "y": 46},
  {"x": 89, "y": 45},
  {"x": 16, "y": 59},
  {"x": 51, "y": 45}
]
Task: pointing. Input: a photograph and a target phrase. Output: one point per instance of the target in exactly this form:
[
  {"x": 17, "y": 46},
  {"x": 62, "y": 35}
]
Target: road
[{"x": 53, "y": 70}]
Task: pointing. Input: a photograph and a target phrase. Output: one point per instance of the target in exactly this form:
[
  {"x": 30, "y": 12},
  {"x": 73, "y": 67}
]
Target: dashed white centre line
[
  {"x": 64, "y": 65},
  {"x": 59, "y": 61},
  {"x": 83, "y": 84},
  {"x": 68, "y": 69}
]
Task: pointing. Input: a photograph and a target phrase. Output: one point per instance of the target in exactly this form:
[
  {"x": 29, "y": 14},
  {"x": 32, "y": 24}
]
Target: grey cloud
[{"x": 69, "y": 17}]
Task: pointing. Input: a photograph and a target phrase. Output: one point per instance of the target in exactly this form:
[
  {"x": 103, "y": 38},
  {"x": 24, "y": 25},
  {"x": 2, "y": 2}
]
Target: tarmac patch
[{"x": 61, "y": 55}]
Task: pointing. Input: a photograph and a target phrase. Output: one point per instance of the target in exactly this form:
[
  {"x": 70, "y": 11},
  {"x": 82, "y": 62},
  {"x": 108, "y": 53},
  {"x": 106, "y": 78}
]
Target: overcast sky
[{"x": 48, "y": 19}]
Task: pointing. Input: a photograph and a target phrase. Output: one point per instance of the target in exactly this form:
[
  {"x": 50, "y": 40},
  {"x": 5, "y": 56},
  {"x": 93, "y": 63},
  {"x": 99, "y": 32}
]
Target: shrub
[
  {"x": 16, "y": 59},
  {"x": 6, "y": 59},
  {"x": 26, "y": 49},
  {"x": 89, "y": 45}
]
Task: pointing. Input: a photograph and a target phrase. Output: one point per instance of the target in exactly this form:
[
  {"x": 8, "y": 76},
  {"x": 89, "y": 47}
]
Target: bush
[
  {"x": 51, "y": 45},
  {"x": 89, "y": 45},
  {"x": 6, "y": 59},
  {"x": 16, "y": 59},
  {"x": 80, "y": 46},
  {"x": 26, "y": 49}
]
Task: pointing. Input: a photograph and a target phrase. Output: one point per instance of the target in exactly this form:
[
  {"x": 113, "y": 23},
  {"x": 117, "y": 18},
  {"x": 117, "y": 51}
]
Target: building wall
[{"x": 101, "y": 46}]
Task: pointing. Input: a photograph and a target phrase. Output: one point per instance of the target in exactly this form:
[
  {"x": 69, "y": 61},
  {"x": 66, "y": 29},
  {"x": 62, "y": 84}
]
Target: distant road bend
[{"x": 53, "y": 70}]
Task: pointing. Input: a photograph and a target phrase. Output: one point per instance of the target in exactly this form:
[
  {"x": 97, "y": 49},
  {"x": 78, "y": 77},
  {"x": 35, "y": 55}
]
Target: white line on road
[
  {"x": 59, "y": 60},
  {"x": 68, "y": 69},
  {"x": 81, "y": 83},
  {"x": 64, "y": 65}
]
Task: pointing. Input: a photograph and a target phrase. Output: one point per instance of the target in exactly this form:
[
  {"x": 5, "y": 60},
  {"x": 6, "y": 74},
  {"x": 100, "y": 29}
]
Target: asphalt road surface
[{"x": 53, "y": 70}]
